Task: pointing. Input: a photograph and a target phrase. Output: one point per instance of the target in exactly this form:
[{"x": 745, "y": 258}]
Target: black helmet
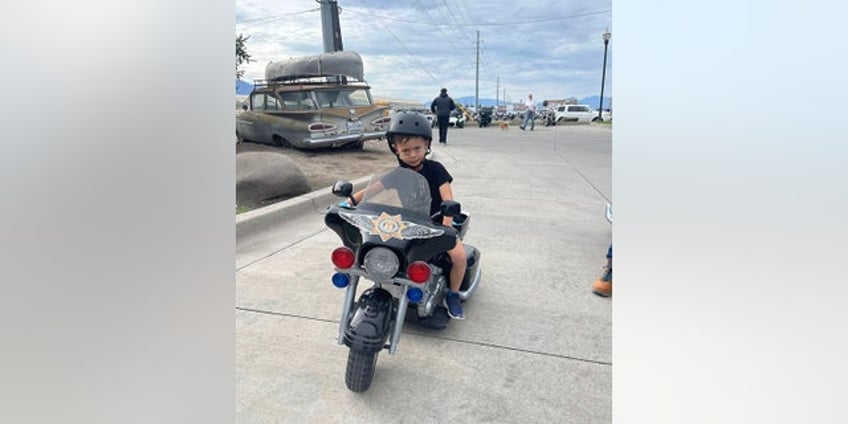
[
  {"x": 408, "y": 123},
  {"x": 411, "y": 123}
]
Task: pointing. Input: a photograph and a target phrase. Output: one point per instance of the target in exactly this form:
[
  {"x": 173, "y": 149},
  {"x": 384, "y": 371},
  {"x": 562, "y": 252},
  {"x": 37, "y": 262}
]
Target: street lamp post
[{"x": 603, "y": 76}]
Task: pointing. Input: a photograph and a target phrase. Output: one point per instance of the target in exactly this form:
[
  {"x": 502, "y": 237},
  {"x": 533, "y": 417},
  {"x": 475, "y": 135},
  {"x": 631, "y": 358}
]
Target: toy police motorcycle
[{"x": 390, "y": 239}]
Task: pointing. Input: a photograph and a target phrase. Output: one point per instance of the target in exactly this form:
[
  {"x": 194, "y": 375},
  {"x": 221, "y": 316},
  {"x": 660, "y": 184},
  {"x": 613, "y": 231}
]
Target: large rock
[{"x": 262, "y": 176}]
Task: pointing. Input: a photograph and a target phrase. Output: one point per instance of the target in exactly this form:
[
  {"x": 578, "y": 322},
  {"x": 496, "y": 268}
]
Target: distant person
[
  {"x": 442, "y": 106},
  {"x": 530, "y": 113}
]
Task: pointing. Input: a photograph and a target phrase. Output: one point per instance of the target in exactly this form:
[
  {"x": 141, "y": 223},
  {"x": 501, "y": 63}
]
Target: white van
[{"x": 578, "y": 113}]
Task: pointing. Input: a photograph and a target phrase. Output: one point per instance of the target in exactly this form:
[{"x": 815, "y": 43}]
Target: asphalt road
[{"x": 536, "y": 343}]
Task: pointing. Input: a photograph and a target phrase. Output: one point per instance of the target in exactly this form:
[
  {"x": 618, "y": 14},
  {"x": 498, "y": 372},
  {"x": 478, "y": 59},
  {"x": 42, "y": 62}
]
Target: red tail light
[
  {"x": 382, "y": 121},
  {"x": 321, "y": 126},
  {"x": 343, "y": 257},
  {"x": 418, "y": 271}
]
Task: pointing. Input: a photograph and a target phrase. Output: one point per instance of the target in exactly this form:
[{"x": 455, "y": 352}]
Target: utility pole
[
  {"x": 477, "y": 77},
  {"x": 330, "y": 28},
  {"x": 606, "y": 37},
  {"x": 498, "y": 92}
]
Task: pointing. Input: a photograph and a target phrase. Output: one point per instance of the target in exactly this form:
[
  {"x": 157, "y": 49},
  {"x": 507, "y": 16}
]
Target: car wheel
[{"x": 280, "y": 141}]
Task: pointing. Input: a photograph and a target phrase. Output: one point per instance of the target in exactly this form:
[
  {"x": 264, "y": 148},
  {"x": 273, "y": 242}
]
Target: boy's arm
[
  {"x": 447, "y": 194},
  {"x": 373, "y": 188}
]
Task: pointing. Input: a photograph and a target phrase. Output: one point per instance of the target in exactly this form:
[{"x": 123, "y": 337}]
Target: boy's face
[{"x": 411, "y": 150}]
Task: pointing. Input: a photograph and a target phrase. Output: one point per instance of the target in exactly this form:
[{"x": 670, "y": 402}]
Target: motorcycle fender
[
  {"x": 371, "y": 321},
  {"x": 471, "y": 277}
]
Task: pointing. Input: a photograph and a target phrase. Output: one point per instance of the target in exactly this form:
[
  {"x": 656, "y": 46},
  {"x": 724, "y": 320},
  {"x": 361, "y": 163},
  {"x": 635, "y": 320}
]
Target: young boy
[{"x": 409, "y": 138}]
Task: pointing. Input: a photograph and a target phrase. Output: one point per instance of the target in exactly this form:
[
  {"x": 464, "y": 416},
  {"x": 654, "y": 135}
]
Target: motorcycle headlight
[{"x": 381, "y": 264}]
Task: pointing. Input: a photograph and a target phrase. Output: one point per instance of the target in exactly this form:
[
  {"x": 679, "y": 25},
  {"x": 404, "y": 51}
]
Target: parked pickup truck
[{"x": 579, "y": 113}]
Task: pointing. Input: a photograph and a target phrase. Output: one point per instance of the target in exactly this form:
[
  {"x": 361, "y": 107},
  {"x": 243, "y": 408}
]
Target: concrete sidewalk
[{"x": 536, "y": 344}]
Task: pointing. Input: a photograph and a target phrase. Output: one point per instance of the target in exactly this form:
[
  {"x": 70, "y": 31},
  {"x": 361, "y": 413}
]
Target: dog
[{"x": 504, "y": 125}]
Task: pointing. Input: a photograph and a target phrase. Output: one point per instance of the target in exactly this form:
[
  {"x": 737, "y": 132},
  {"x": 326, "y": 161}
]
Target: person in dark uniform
[{"x": 442, "y": 106}]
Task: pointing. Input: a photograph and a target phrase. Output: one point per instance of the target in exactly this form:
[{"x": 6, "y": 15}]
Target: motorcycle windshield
[
  {"x": 399, "y": 188},
  {"x": 395, "y": 205}
]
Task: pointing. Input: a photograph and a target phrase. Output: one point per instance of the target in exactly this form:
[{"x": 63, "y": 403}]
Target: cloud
[{"x": 411, "y": 49}]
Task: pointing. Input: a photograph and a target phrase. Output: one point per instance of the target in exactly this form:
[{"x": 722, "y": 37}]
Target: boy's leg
[{"x": 460, "y": 262}]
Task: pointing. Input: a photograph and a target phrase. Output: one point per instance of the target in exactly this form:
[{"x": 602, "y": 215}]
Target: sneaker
[
  {"x": 603, "y": 285},
  {"x": 454, "y": 305},
  {"x": 522, "y": 128}
]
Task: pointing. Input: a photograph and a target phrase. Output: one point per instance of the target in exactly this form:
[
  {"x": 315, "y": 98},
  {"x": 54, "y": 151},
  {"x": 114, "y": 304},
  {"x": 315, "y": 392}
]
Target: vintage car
[{"x": 313, "y": 102}]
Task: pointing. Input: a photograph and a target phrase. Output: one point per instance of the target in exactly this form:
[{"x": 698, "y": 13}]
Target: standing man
[
  {"x": 529, "y": 113},
  {"x": 442, "y": 106}
]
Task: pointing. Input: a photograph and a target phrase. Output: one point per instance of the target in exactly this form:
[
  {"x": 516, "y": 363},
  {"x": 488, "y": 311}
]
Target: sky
[{"x": 412, "y": 48}]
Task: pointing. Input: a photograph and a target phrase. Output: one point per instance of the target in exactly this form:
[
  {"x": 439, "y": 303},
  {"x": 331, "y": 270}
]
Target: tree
[{"x": 242, "y": 56}]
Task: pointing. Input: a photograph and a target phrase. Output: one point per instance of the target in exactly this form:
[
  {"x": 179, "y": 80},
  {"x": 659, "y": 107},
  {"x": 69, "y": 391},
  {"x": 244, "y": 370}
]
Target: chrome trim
[
  {"x": 347, "y": 306},
  {"x": 336, "y": 141},
  {"x": 476, "y": 281},
  {"x": 403, "y": 301}
]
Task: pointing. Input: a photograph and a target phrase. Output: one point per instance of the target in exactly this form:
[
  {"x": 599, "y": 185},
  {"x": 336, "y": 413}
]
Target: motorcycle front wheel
[{"x": 360, "y": 369}]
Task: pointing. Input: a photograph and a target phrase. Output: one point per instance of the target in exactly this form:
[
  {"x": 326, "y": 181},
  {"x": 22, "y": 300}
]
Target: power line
[
  {"x": 555, "y": 18},
  {"x": 268, "y": 19},
  {"x": 408, "y": 52},
  {"x": 456, "y": 26},
  {"x": 442, "y": 32}
]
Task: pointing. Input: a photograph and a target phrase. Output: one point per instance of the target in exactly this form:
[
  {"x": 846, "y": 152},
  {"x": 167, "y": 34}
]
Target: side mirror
[
  {"x": 450, "y": 208},
  {"x": 343, "y": 188}
]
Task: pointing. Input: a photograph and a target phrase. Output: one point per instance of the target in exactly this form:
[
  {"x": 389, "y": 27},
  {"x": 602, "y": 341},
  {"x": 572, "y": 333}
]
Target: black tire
[
  {"x": 281, "y": 142},
  {"x": 360, "y": 370},
  {"x": 460, "y": 124}
]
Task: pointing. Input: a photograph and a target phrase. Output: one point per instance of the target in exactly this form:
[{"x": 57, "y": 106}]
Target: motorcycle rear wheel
[{"x": 360, "y": 369}]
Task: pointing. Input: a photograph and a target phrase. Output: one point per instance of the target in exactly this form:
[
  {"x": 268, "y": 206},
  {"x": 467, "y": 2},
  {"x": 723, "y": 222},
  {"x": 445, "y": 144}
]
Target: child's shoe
[{"x": 454, "y": 305}]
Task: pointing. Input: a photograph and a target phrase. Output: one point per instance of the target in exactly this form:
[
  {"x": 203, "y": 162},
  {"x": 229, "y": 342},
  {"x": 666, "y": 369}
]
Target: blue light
[
  {"x": 414, "y": 294},
  {"x": 341, "y": 280}
]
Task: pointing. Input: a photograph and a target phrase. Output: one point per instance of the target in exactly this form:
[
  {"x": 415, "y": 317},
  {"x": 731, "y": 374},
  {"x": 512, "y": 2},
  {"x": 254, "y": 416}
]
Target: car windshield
[
  {"x": 399, "y": 188},
  {"x": 342, "y": 98}
]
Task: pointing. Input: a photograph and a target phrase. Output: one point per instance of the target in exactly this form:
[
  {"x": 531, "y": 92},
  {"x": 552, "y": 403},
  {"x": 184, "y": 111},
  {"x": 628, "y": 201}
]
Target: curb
[{"x": 258, "y": 221}]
